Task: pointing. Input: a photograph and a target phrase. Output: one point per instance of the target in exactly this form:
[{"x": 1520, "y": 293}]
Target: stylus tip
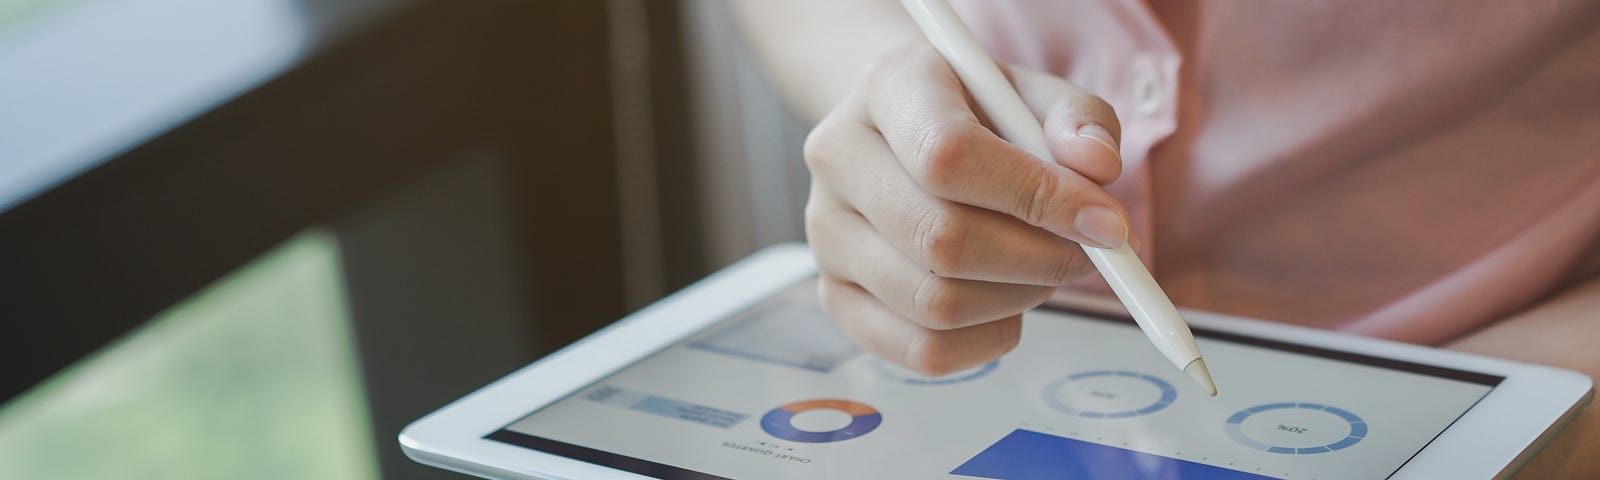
[{"x": 1197, "y": 370}]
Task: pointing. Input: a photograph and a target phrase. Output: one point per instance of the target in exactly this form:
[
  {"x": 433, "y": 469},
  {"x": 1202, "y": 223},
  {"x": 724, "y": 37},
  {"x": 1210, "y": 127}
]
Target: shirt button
[{"x": 1146, "y": 86}]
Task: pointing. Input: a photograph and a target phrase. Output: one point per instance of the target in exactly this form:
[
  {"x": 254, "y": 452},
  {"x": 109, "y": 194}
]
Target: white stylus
[{"x": 1121, "y": 268}]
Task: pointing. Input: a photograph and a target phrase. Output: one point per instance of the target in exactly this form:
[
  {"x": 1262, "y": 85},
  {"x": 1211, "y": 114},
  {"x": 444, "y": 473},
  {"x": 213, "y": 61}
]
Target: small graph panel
[{"x": 790, "y": 329}]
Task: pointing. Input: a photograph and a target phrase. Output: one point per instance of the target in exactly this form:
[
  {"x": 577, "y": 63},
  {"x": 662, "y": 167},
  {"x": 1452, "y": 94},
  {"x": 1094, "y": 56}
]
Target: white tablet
[{"x": 743, "y": 377}]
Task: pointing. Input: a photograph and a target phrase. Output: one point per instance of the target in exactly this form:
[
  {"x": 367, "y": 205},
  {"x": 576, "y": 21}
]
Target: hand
[{"x": 932, "y": 233}]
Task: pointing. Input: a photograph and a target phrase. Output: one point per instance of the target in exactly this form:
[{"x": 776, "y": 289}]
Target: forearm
[
  {"x": 815, "y": 50},
  {"x": 1561, "y": 333}
]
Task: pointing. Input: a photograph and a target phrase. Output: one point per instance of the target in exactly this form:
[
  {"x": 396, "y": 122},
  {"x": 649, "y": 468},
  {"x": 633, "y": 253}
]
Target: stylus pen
[{"x": 1121, "y": 268}]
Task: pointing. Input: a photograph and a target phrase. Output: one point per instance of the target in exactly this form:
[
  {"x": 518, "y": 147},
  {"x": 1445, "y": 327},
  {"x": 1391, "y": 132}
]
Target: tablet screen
[{"x": 777, "y": 392}]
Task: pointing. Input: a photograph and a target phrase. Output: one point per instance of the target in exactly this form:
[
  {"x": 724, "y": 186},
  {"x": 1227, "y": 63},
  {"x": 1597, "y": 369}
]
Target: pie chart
[{"x": 779, "y": 422}]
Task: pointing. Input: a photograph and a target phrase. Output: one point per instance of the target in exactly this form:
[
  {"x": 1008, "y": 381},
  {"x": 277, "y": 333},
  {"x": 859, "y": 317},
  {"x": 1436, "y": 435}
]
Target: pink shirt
[{"x": 1412, "y": 170}]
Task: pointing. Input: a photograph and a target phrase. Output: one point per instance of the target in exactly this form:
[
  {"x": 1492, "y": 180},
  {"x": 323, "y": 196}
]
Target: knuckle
[
  {"x": 890, "y": 63},
  {"x": 940, "y": 239},
  {"x": 1059, "y": 273},
  {"x": 815, "y": 149},
  {"x": 921, "y": 53},
  {"x": 887, "y": 62},
  {"x": 830, "y": 243},
  {"x": 814, "y": 212},
  {"x": 937, "y": 303},
  {"x": 912, "y": 53},
  {"x": 1046, "y": 200},
  {"x": 943, "y": 158},
  {"x": 816, "y": 223},
  {"x": 1072, "y": 264}
]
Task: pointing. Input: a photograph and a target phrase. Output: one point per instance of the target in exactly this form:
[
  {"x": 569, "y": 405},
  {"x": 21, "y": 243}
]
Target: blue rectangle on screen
[
  {"x": 1028, "y": 455},
  {"x": 701, "y": 414}
]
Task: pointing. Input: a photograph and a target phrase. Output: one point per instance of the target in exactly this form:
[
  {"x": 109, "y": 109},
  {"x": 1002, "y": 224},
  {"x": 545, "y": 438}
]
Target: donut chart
[
  {"x": 1109, "y": 394},
  {"x": 779, "y": 421},
  {"x": 1296, "y": 428}
]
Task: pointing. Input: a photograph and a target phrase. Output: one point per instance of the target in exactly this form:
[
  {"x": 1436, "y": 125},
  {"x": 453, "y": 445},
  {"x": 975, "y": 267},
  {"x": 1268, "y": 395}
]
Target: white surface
[
  {"x": 1121, "y": 267},
  {"x": 1481, "y": 443}
]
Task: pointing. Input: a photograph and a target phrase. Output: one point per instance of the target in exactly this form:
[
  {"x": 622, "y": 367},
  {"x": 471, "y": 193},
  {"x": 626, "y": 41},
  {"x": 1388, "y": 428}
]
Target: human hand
[{"x": 932, "y": 233}]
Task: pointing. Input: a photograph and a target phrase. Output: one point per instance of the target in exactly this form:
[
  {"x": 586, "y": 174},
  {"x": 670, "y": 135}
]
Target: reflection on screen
[{"x": 778, "y": 392}]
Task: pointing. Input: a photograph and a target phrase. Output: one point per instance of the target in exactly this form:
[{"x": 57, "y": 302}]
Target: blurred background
[{"x": 255, "y": 238}]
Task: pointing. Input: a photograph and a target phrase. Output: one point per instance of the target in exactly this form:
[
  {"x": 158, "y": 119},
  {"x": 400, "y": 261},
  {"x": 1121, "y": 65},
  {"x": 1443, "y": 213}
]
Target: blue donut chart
[
  {"x": 1235, "y": 429},
  {"x": 779, "y": 421},
  {"x": 1168, "y": 394}
]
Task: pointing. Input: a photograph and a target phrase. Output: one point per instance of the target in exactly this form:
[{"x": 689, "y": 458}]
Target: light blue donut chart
[
  {"x": 883, "y": 369},
  {"x": 1235, "y": 429},
  {"x": 1168, "y": 394}
]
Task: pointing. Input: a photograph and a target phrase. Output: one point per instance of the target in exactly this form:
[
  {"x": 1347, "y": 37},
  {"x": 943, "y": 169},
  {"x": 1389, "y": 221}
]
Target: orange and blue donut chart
[{"x": 863, "y": 419}]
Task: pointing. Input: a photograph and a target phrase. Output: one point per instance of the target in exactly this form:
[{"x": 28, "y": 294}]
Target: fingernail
[
  {"x": 1100, "y": 135},
  {"x": 1102, "y": 226}
]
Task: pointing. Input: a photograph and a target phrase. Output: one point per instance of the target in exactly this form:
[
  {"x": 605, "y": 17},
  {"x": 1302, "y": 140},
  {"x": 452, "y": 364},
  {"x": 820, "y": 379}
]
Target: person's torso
[{"x": 1410, "y": 170}]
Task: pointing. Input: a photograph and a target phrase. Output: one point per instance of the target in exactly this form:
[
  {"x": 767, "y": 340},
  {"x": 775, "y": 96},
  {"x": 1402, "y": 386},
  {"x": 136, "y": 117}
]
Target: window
[{"x": 256, "y": 376}]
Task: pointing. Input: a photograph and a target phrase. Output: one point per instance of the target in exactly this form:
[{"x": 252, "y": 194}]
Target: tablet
[{"x": 742, "y": 376}]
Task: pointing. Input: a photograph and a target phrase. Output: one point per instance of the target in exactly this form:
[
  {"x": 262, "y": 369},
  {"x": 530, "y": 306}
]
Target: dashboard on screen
[{"x": 778, "y": 392}]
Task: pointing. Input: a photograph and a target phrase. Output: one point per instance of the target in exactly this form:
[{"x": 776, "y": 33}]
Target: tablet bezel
[{"x": 1520, "y": 413}]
